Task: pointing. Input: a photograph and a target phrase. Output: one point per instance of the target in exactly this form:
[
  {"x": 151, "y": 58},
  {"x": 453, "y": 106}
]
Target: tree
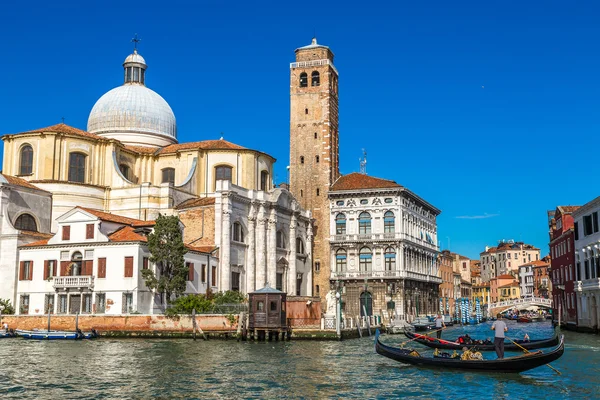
[
  {"x": 166, "y": 252},
  {"x": 6, "y": 307}
]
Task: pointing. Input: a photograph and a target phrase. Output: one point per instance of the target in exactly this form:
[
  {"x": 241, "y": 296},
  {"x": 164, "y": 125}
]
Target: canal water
[{"x": 136, "y": 369}]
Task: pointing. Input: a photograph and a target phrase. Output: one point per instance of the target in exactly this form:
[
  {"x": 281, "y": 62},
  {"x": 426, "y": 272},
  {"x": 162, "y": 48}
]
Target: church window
[
  {"x": 366, "y": 259},
  {"x": 124, "y": 170},
  {"x": 238, "y": 232},
  {"x": 168, "y": 175},
  {"x": 364, "y": 223},
  {"x": 340, "y": 224},
  {"x": 315, "y": 79},
  {"x": 301, "y": 159},
  {"x": 303, "y": 79},
  {"x": 299, "y": 246},
  {"x": 389, "y": 221},
  {"x": 264, "y": 180},
  {"x": 26, "y": 222},
  {"x": 223, "y": 173},
  {"x": 77, "y": 167},
  {"x": 280, "y": 240},
  {"x": 317, "y": 158},
  {"x": 340, "y": 260},
  {"x": 26, "y": 165}
]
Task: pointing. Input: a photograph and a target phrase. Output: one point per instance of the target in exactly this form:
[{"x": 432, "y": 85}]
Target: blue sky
[{"x": 488, "y": 110}]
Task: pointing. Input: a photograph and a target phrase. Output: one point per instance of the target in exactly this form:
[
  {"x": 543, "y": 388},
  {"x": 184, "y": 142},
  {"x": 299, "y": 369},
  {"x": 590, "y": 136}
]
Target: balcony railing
[
  {"x": 590, "y": 284},
  {"x": 73, "y": 282},
  {"x": 385, "y": 274}
]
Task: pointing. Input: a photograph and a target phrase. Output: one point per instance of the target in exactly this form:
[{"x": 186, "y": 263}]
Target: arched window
[
  {"x": 264, "y": 180},
  {"x": 77, "y": 167},
  {"x": 26, "y": 222},
  {"x": 389, "y": 221},
  {"x": 364, "y": 223},
  {"x": 168, "y": 175},
  {"x": 75, "y": 266},
  {"x": 340, "y": 260},
  {"x": 223, "y": 173},
  {"x": 366, "y": 259},
  {"x": 390, "y": 259},
  {"x": 303, "y": 79},
  {"x": 366, "y": 303},
  {"x": 26, "y": 163},
  {"x": 124, "y": 170},
  {"x": 280, "y": 240},
  {"x": 340, "y": 224},
  {"x": 315, "y": 79},
  {"x": 237, "y": 232},
  {"x": 300, "y": 246}
]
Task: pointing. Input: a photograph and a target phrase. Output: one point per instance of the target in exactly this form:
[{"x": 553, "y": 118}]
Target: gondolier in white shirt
[
  {"x": 499, "y": 326},
  {"x": 439, "y": 325}
]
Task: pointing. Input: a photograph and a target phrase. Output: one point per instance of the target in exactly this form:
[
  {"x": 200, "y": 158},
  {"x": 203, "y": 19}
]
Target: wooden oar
[
  {"x": 420, "y": 336},
  {"x": 527, "y": 351}
]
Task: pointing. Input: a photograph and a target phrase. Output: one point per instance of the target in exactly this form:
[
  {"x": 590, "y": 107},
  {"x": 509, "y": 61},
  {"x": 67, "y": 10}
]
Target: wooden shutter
[
  {"x": 87, "y": 267},
  {"x": 30, "y": 270},
  {"x": 89, "y": 231},
  {"x": 128, "y": 267},
  {"x": 190, "y": 271},
  {"x": 66, "y": 232},
  {"x": 102, "y": 268},
  {"x": 46, "y": 262},
  {"x": 145, "y": 263},
  {"x": 21, "y": 270},
  {"x": 63, "y": 267},
  {"x": 214, "y": 276}
]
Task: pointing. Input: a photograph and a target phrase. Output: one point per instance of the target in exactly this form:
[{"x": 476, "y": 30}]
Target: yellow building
[{"x": 509, "y": 292}]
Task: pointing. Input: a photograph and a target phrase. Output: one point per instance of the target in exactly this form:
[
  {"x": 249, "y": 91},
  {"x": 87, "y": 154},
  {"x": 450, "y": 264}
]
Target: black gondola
[
  {"x": 519, "y": 363},
  {"x": 430, "y": 341}
]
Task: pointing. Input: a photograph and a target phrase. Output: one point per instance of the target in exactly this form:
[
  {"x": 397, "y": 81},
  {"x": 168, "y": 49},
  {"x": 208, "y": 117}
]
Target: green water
[{"x": 145, "y": 368}]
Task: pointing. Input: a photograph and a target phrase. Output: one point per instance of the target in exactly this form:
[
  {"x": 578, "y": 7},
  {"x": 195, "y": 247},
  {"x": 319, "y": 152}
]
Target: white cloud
[{"x": 484, "y": 216}]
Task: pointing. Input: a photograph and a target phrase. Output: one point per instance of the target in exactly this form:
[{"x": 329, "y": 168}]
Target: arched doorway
[
  {"x": 366, "y": 302},
  {"x": 75, "y": 266}
]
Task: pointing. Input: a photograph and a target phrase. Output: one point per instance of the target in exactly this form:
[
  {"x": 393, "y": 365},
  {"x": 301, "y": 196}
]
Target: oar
[
  {"x": 419, "y": 337},
  {"x": 527, "y": 351}
]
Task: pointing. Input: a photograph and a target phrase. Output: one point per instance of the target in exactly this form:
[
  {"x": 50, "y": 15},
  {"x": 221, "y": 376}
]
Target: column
[
  {"x": 309, "y": 261},
  {"x": 272, "y": 249},
  {"x": 251, "y": 254},
  {"x": 225, "y": 252},
  {"x": 291, "y": 287},
  {"x": 261, "y": 242}
]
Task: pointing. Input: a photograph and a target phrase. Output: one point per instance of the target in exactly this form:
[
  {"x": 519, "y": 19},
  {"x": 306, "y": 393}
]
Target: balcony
[
  {"x": 385, "y": 275},
  {"x": 590, "y": 284},
  {"x": 73, "y": 282}
]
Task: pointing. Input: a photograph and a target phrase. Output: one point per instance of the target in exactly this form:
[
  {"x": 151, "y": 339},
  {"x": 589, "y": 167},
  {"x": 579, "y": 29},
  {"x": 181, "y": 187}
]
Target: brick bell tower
[{"x": 314, "y": 152}]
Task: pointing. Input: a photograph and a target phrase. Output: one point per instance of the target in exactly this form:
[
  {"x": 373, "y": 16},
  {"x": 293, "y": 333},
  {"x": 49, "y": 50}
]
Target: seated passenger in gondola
[
  {"x": 488, "y": 341},
  {"x": 526, "y": 338},
  {"x": 468, "y": 339}
]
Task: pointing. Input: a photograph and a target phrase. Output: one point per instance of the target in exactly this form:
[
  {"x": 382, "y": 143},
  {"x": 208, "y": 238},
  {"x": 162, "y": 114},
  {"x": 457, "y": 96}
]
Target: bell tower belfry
[{"x": 314, "y": 146}]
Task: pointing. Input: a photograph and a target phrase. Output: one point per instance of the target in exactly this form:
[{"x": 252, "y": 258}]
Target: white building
[
  {"x": 93, "y": 264},
  {"x": 506, "y": 258},
  {"x": 526, "y": 279},
  {"x": 24, "y": 218},
  {"x": 587, "y": 259},
  {"x": 383, "y": 247}
]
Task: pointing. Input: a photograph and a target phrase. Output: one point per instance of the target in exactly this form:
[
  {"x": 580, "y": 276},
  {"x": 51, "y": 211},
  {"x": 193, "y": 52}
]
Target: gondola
[
  {"x": 56, "y": 335},
  {"x": 454, "y": 345},
  {"x": 516, "y": 364}
]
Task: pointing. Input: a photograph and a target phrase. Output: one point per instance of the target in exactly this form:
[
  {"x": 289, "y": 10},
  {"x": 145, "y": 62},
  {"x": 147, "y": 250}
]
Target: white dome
[
  {"x": 135, "y": 58},
  {"x": 133, "y": 108}
]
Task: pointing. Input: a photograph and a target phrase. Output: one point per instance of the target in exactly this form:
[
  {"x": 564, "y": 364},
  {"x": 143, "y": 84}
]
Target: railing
[
  {"x": 67, "y": 282},
  {"x": 590, "y": 284},
  {"x": 313, "y": 323},
  {"x": 530, "y": 300},
  {"x": 313, "y": 63},
  {"x": 368, "y": 237},
  {"x": 385, "y": 274}
]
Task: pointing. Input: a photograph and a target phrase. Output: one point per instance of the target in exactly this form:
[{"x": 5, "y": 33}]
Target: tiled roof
[
  {"x": 204, "y": 145},
  {"x": 117, "y": 218},
  {"x": 200, "y": 249},
  {"x": 13, "y": 180},
  {"x": 512, "y": 284},
  {"x": 38, "y": 234},
  {"x": 38, "y": 243},
  {"x": 141, "y": 149},
  {"x": 568, "y": 209},
  {"x": 64, "y": 128},
  {"x": 127, "y": 234},
  {"x": 356, "y": 181},
  {"x": 199, "y": 202},
  {"x": 507, "y": 276}
]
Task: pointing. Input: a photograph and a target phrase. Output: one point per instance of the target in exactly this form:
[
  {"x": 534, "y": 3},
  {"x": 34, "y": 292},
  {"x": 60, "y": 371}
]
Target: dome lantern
[{"x": 135, "y": 69}]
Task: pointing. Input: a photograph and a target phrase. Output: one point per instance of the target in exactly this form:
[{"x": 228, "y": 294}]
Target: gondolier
[
  {"x": 499, "y": 327},
  {"x": 439, "y": 325}
]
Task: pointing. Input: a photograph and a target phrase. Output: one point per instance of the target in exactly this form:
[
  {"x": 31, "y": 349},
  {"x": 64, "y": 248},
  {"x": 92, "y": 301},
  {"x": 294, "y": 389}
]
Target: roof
[
  {"x": 267, "y": 289},
  {"x": 117, "y": 218},
  {"x": 38, "y": 234},
  {"x": 201, "y": 249},
  {"x": 63, "y": 128},
  {"x": 512, "y": 284},
  {"x": 356, "y": 181},
  {"x": 204, "y": 145},
  {"x": 538, "y": 263},
  {"x": 568, "y": 209},
  {"x": 127, "y": 234},
  {"x": 199, "y": 202},
  {"x": 506, "y": 276},
  {"x": 13, "y": 180},
  {"x": 38, "y": 243},
  {"x": 312, "y": 45}
]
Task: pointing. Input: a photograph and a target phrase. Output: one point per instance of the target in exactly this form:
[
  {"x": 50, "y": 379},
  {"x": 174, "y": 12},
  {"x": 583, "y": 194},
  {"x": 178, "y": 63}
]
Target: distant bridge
[{"x": 500, "y": 306}]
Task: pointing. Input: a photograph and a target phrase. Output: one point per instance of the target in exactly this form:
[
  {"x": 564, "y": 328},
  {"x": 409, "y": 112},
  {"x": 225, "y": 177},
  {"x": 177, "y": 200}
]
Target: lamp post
[{"x": 338, "y": 308}]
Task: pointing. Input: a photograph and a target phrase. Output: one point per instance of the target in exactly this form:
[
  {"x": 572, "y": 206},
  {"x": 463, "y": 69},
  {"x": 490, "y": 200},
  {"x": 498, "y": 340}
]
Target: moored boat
[
  {"x": 7, "y": 334},
  {"x": 56, "y": 335},
  {"x": 523, "y": 319},
  {"x": 422, "y": 324},
  {"x": 510, "y": 364},
  {"x": 480, "y": 345}
]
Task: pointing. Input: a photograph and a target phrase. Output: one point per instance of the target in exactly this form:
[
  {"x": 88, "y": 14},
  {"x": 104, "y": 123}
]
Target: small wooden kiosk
[{"x": 267, "y": 315}]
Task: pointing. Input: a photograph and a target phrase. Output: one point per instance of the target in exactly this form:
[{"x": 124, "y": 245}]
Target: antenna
[{"x": 363, "y": 163}]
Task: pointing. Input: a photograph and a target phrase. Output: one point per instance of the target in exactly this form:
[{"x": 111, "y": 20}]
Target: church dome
[{"x": 132, "y": 113}]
